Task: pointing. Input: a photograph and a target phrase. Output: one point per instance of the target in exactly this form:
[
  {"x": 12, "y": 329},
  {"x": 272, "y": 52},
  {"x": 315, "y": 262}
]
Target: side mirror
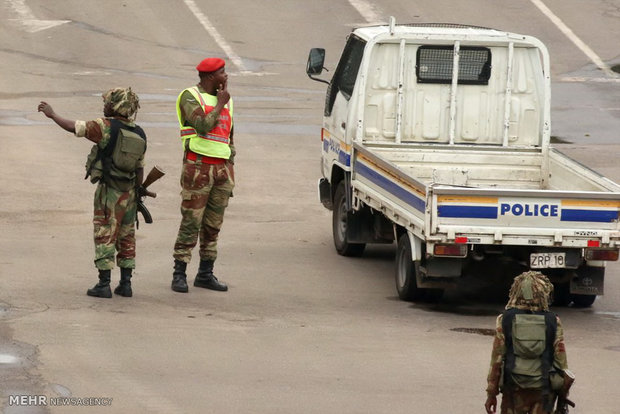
[{"x": 316, "y": 59}]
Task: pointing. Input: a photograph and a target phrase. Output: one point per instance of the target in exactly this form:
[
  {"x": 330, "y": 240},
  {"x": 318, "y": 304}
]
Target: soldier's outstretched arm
[{"x": 48, "y": 111}]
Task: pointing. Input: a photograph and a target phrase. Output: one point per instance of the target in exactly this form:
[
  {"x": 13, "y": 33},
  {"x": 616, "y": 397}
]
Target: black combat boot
[
  {"x": 206, "y": 279},
  {"x": 101, "y": 289},
  {"x": 179, "y": 277},
  {"x": 124, "y": 286}
]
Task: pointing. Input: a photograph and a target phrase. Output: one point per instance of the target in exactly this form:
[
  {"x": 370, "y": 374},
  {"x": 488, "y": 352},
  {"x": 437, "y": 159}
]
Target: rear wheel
[
  {"x": 583, "y": 301},
  {"x": 406, "y": 284},
  {"x": 561, "y": 294},
  {"x": 340, "y": 223}
]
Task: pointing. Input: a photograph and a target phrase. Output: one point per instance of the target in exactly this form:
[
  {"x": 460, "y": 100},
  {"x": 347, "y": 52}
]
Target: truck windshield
[{"x": 346, "y": 72}]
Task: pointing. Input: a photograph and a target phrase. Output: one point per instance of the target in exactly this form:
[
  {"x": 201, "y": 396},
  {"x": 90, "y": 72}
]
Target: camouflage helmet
[
  {"x": 122, "y": 101},
  {"x": 530, "y": 291}
]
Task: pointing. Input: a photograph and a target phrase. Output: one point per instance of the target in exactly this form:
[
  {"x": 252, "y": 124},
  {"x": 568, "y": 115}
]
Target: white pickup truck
[{"x": 437, "y": 136}]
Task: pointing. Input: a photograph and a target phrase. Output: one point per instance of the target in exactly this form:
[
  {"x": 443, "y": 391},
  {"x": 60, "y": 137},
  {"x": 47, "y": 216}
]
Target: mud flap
[
  {"x": 439, "y": 272},
  {"x": 589, "y": 281},
  {"x": 325, "y": 194}
]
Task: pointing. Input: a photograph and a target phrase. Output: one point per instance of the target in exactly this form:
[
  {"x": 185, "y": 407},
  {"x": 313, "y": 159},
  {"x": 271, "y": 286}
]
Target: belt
[{"x": 192, "y": 156}]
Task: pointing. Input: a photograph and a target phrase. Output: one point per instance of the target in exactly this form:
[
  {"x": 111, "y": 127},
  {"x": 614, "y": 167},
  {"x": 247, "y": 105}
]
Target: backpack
[
  {"x": 117, "y": 163},
  {"x": 529, "y": 348}
]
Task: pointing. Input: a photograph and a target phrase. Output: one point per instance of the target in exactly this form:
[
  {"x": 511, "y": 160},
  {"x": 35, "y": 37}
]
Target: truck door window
[
  {"x": 346, "y": 72},
  {"x": 434, "y": 65}
]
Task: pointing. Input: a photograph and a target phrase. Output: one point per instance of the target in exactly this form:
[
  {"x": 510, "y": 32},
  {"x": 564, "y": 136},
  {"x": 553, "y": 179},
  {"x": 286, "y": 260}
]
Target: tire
[
  {"x": 561, "y": 294},
  {"x": 340, "y": 223},
  {"x": 406, "y": 284},
  {"x": 583, "y": 301}
]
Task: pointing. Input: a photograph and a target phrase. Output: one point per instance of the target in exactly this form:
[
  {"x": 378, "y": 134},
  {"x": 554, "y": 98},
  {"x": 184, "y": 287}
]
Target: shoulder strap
[
  {"x": 551, "y": 326},
  {"x": 115, "y": 126},
  {"x": 106, "y": 153},
  {"x": 509, "y": 359}
]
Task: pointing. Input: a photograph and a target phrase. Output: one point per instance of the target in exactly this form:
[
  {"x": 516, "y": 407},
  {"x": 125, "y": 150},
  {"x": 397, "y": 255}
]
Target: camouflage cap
[
  {"x": 123, "y": 101},
  {"x": 530, "y": 291}
]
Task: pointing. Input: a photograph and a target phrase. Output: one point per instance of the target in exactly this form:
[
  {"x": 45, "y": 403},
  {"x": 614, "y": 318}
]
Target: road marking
[
  {"x": 367, "y": 10},
  {"x": 587, "y": 79},
  {"x": 7, "y": 359},
  {"x": 27, "y": 19},
  {"x": 575, "y": 39},
  {"x": 219, "y": 39}
]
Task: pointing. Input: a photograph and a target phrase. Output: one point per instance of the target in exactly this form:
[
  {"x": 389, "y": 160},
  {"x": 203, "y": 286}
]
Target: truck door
[{"x": 337, "y": 102}]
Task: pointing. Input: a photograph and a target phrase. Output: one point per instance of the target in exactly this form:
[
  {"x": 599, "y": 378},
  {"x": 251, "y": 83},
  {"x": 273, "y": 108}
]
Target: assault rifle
[
  {"x": 563, "y": 402},
  {"x": 155, "y": 174}
]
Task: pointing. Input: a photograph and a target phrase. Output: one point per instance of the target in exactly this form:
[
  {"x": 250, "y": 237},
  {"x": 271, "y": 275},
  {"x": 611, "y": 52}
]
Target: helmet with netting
[
  {"x": 122, "y": 101},
  {"x": 530, "y": 291}
]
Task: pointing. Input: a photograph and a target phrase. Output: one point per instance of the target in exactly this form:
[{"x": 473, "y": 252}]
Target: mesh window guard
[{"x": 434, "y": 65}]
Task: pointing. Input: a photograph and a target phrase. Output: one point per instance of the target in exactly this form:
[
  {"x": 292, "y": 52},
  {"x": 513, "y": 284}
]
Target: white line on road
[
  {"x": 27, "y": 19},
  {"x": 367, "y": 10},
  {"x": 575, "y": 39},
  {"x": 219, "y": 39},
  {"x": 586, "y": 79}
]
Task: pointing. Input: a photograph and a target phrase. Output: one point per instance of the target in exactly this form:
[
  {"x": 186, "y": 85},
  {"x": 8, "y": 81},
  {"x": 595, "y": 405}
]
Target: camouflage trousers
[
  {"x": 523, "y": 401},
  {"x": 206, "y": 189},
  {"x": 114, "y": 227}
]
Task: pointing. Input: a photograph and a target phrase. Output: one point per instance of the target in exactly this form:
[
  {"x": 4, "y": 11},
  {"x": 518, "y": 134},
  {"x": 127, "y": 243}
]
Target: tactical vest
[
  {"x": 529, "y": 348},
  {"x": 216, "y": 143},
  {"x": 116, "y": 164}
]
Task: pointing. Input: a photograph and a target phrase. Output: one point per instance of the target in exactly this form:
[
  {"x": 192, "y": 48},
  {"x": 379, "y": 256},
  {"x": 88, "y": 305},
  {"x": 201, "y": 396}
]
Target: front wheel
[{"x": 340, "y": 223}]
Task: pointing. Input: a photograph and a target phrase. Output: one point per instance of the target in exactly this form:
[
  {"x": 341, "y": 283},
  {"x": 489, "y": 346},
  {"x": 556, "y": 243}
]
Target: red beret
[{"x": 210, "y": 65}]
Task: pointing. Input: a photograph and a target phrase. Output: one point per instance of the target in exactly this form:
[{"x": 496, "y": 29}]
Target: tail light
[
  {"x": 602, "y": 254},
  {"x": 452, "y": 250}
]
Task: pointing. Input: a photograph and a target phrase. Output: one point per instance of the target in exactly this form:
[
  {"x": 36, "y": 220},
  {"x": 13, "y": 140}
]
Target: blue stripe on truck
[
  {"x": 467, "y": 212},
  {"x": 390, "y": 186},
  {"x": 599, "y": 216}
]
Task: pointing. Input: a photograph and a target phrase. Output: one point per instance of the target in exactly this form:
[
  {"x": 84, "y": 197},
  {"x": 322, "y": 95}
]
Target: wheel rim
[
  {"x": 401, "y": 277},
  {"x": 341, "y": 225}
]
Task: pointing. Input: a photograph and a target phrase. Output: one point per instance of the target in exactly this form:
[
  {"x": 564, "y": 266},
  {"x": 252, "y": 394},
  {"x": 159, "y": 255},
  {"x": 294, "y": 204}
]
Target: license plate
[{"x": 547, "y": 260}]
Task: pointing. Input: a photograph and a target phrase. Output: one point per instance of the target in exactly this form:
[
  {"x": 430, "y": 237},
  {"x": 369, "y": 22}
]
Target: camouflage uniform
[
  {"x": 524, "y": 400},
  {"x": 206, "y": 189},
  {"x": 114, "y": 210},
  {"x": 114, "y": 227}
]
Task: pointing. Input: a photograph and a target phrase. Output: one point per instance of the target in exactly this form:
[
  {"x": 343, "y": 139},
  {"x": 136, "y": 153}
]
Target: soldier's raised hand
[
  {"x": 222, "y": 93},
  {"x": 46, "y": 109}
]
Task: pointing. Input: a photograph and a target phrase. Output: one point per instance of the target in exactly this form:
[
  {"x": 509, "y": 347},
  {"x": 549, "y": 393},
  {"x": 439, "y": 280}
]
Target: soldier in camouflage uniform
[
  {"x": 526, "y": 392},
  {"x": 205, "y": 114},
  {"x": 115, "y": 195}
]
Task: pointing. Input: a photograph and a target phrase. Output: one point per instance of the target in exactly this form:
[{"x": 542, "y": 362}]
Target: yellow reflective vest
[{"x": 216, "y": 143}]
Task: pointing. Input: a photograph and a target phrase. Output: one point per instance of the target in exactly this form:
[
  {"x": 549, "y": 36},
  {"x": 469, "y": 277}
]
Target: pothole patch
[{"x": 477, "y": 331}]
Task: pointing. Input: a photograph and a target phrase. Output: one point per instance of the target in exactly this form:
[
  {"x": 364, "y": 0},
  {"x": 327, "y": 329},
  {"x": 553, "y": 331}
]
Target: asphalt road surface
[{"x": 301, "y": 330}]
